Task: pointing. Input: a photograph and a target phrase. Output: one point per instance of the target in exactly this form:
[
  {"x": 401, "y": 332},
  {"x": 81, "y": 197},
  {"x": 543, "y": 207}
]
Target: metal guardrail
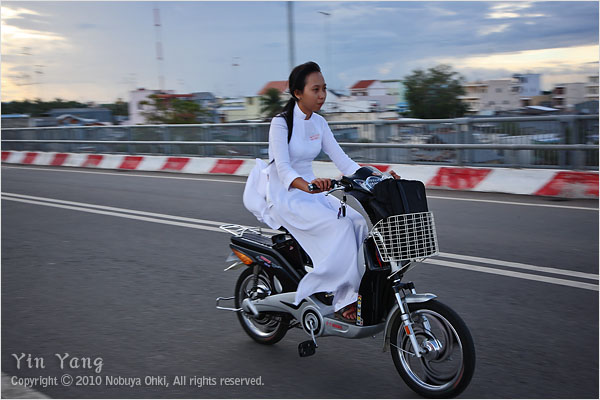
[
  {"x": 361, "y": 145},
  {"x": 564, "y": 141}
]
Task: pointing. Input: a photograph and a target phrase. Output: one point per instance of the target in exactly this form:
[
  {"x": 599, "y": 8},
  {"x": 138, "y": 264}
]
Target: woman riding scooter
[{"x": 296, "y": 137}]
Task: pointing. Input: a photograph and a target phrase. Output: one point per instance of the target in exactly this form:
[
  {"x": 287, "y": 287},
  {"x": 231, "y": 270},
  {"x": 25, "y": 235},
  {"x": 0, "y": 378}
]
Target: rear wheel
[
  {"x": 265, "y": 328},
  {"x": 447, "y": 367}
]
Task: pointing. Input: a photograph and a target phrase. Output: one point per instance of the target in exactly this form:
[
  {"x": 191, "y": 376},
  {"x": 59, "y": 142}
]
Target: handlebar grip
[{"x": 312, "y": 187}]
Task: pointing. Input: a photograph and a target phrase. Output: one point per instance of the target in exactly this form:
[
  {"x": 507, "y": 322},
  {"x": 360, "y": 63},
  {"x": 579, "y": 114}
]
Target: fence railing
[{"x": 559, "y": 141}]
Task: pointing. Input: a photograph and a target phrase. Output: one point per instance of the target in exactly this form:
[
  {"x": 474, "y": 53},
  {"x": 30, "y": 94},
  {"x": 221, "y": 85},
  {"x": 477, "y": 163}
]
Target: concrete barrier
[{"x": 539, "y": 182}]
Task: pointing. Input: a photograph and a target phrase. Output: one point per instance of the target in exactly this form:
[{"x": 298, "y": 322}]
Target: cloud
[
  {"x": 488, "y": 30},
  {"x": 348, "y": 12},
  {"x": 507, "y": 10},
  {"x": 439, "y": 11},
  {"x": 15, "y": 39},
  {"x": 561, "y": 60},
  {"x": 386, "y": 68},
  {"x": 23, "y": 48},
  {"x": 359, "y": 40},
  {"x": 18, "y": 13}
]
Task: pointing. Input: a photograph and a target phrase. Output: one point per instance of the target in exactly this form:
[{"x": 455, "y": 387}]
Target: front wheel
[
  {"x": 447, "y": 367},
  {"x": 265, "y": 328}
]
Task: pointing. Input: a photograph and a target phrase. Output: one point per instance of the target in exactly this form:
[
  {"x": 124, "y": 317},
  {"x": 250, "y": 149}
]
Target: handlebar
[{"x": 335, "y": 185}]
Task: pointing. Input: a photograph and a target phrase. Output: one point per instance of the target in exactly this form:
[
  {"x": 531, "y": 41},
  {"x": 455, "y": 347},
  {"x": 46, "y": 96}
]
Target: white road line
[
  {"x": 127, "y": 174},
  {"x": 520, "y": 266},
  {"x": 201, "y": 224},
  {"x": 114, "y": 214},
  {"x": 124, "y": 173},
  {"x": 117, "y": 209},
  {"x": 513, "y": 203},
  {"x": 539, "y": 278}
]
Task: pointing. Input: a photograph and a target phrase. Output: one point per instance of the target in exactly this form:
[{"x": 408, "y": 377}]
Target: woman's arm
[{"x": 278, "y": 133}]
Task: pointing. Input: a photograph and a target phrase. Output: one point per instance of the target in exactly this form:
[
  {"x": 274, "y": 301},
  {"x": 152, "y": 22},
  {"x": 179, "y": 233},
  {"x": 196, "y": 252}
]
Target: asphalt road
[{"x": 137, "y": 290}]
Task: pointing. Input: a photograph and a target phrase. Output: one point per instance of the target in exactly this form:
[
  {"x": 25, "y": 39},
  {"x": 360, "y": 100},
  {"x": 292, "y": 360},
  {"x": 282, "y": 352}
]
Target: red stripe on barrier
[
  {"x": 29, "y": 158},
  {"x": 458, "y": 178},
  {"x": 175, "y": 163},
  {"x": 381, "y": 167},
  {"x": 226, "y": 166},
  {"x": 92, "y": 160},
  {"x": 571, "y": 184},
  {"x": 131, "y": 162},
  {"x": 59, "y": 159},
  {"x": 5, "y": 155}
]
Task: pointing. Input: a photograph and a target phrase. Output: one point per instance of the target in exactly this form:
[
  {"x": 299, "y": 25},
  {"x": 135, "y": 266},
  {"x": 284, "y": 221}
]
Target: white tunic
[{"x": 312, "y": 219}]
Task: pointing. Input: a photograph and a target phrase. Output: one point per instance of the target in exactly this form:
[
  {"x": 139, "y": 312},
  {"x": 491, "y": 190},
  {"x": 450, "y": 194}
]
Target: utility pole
[
  {"x": 236, "y": 90},
  {"x": 290, "y": 12},
  {"x": 40, "y": 73},
  {"x": 159, "y": 50}
]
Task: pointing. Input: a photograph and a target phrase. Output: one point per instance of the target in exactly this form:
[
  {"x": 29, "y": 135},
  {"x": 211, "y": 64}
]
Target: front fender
[{"x": 395, "y": 312}]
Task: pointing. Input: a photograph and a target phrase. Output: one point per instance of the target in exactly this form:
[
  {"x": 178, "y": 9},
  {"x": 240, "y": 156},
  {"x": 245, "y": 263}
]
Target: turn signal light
[{"x": 245, "y": 259}]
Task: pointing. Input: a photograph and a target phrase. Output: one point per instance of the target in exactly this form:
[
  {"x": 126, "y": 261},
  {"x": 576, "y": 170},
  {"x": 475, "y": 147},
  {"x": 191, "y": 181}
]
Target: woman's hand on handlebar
[
  {"x": 394, "y": 174},
  {"x": 322, "y": 184}
]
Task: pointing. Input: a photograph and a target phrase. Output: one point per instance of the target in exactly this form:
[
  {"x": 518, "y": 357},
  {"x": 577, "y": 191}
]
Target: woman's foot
[{"x": 348, "y": 313}]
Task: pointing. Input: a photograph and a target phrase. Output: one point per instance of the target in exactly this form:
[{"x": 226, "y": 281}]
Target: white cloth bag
[{"x": 255, "y": 193}]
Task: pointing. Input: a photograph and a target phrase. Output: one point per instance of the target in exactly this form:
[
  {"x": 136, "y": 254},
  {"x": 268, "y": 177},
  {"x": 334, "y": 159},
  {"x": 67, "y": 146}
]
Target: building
[
  {"x": 339, "y": 103},
  {"x": 488, "y": 97},
  {"x": 591, "y": 88},
  {"x": 99, "y": 114},
  {"x": 587, "y": 107},
  {"x": 544, "y": 100},
  {"x": 566, "y": 95},
  {"x": 208, "y": 102},
  {"x": 386, "y": 94},
  {"x": 74, "y": 120},
  {"x": 137, "y": 105},
  {"x": 248, "y": 108},
  {"x": 16, "y": 121},
  {"x": 527, "y": 86},
  {"x": 370, "y": 87},
  {"x": 240, "y": 109},
  {"x": 141, "y": 103},
  {"x": 281, "y": 86}
]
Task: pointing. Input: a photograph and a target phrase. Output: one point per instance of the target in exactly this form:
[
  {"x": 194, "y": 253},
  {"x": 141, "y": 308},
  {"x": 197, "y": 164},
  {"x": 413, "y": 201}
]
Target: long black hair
[{"x": 296, "y": 81}]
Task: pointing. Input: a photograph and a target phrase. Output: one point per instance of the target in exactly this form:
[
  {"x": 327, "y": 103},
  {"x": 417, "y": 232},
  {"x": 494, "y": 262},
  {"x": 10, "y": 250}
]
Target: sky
[{"x": 100, "y": 50}]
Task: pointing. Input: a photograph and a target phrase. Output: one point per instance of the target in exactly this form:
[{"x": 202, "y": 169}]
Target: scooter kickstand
[{"x": 309, "y": 347}]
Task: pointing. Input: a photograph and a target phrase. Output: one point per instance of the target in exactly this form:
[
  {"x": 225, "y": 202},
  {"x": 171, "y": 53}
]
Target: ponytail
[{"x": 288, "y": 115}]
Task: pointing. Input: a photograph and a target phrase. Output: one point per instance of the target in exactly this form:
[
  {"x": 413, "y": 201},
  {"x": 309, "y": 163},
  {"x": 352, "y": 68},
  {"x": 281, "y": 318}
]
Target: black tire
[
  {"x": 264, "y": 329},
  {"x": 445, "y": 372}
]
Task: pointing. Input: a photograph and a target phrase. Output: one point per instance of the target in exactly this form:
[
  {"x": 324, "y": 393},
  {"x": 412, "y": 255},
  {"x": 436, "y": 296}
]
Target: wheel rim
[
  {"x": 443, "y": 366},
  {"x": 263, "y": 326}
]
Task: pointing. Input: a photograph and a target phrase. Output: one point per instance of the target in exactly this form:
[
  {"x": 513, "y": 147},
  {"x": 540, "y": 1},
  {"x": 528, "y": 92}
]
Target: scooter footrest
[
  {"x": 222, "y": 299},
  {"x": 307, "y": 348}
]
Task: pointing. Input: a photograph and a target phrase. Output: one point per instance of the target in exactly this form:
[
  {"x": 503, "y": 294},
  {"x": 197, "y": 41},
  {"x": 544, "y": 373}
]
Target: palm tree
[{"x": 271, "y": 103}]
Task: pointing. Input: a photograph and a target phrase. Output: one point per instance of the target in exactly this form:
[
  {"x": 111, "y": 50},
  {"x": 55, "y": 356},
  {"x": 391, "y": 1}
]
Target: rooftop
[
  {"x": 282, "y": 86},
  {"x": 363, "y": 84}
]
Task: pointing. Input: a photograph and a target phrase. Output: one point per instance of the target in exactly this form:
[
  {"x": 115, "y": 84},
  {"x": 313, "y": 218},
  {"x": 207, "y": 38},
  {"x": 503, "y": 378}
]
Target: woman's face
[{"x": 314, "y": 94}]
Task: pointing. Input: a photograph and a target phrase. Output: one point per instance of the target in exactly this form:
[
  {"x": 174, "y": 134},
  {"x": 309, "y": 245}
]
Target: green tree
[
  {"x": 271, "y": 103},
  {"x": 37, "y": 107},
  {"x": 434, "y": 93},
  {"x": 172, "y": 111},
  {"x": 119, "y": 107}
]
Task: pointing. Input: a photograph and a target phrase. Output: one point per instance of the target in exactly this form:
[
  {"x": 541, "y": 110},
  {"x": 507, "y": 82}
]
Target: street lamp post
[
  {"x": 290, "y": 14},
  {"x": 326, "y": 15}
]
